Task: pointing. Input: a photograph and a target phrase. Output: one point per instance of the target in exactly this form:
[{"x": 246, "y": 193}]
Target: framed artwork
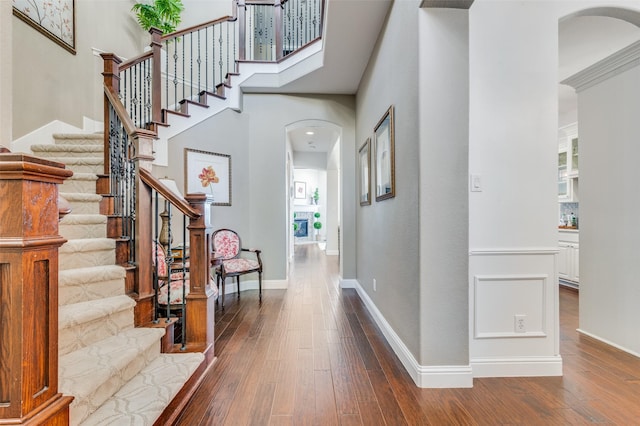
[
  {"x": 300, "y": 190},
  {"x": 364, "y": 157},
  {"x": 385, "y": 157},
  {"x": 210, "y": 173},
  {"x": 55, "y": 19}
]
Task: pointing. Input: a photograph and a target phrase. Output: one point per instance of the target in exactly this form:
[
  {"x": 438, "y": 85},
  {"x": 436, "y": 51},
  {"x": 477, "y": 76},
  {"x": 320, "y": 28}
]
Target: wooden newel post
[
  {"x": 200, "y": 300},
  {"x": 29, "y": 243}
]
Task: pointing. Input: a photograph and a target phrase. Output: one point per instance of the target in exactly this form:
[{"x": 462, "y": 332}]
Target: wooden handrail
[
  {"x": 122, "y": 113},
  {"x": 135, "y": 61},
  {"x": 165, "y": 192},
  {"x": 198, "y": 27}
]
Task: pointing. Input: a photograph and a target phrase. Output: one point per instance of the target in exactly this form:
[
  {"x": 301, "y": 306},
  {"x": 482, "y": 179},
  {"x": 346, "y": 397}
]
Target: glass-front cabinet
[
  {"x": 568, "y": 164},
  {"x": 574, "y": 157},
  {"x": 563, "y": 190}
]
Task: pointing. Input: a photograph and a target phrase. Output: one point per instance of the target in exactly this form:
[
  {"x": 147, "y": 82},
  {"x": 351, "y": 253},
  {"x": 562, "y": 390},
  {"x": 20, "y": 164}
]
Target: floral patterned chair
[
  {"x": 173, "y": 292},
  {"x": 228, "y": 263}
]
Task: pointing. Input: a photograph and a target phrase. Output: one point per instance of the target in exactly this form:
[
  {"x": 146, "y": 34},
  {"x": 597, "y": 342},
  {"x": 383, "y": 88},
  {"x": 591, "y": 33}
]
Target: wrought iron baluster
[
  {"x": 184, "y": 73},
  {"x": 169, "y": 259},
  {"x": 190, "y": 66},
  {"x": 220, "y": 62},
  {"x": 199, "y": 61},
  {"x": 206, "y": 59},
  {"x": 227, "y": 64},
  {"x": 175, "y": 72}
]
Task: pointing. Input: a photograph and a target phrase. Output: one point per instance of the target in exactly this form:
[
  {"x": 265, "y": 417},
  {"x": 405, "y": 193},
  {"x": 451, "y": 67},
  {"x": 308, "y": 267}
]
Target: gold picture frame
[
  {"x": 385, "y": 186},
  {"x": 364, "y": 157},
  {"x": 55, "y": 19}
]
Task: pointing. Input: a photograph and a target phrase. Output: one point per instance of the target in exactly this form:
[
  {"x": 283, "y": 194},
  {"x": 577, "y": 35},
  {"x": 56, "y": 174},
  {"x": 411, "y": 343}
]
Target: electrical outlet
[
  {"x": 374, "y": 285},
  {"x": 520, "y": 323}
]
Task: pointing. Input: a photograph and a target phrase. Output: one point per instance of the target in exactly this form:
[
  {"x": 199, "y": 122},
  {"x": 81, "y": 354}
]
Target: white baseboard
[
  {"x": 347, "y": 283},
  {"x": 253, "y": 285},
  {"x": 608, "y": 342},
  {"x": 424, "y": 376},
  {"x": 517, "y": 366},
  {"x": 332, "y": 252}
]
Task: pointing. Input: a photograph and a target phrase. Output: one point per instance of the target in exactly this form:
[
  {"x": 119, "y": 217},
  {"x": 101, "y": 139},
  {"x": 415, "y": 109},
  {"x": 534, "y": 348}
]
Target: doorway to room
[{"x": 313, "y": 179}]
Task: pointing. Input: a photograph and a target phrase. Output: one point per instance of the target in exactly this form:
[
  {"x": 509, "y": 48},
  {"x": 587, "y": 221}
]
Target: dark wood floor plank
[{"x": 313, "y": 355}]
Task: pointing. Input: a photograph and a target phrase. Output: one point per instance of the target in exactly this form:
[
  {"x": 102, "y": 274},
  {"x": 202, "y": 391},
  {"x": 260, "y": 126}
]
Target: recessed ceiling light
[{"x": 310, "y": 133}]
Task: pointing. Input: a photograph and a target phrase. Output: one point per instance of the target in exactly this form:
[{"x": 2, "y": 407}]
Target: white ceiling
[{"x": 347, "y": 47}]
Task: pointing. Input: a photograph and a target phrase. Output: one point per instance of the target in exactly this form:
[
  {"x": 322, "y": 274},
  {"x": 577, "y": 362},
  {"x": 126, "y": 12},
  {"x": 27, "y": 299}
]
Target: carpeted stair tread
[
  {"x": 143, "y": 398},
  {"x": 94, "y": 373},
  {"x": 80, "y": 197},
  {"x": 79, "y": 138},
  {"x": 67, "y": 150},
  {"x": 80, "y": 276},
  {"x": 82, "y": 164},
  {"x": 84, "y": 284},
  {"x": 85, "y": 323},
  {"x": 84, "y": 253},
  {"x": 84, "y": 219},
  {"x": 82, "y": 203},
  {"x": 88, "y": 245},
  {"x": 82, "y": 312}
]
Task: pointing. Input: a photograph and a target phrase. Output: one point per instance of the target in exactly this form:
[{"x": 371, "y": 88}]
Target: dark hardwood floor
[{"x": 313, "y": 355}]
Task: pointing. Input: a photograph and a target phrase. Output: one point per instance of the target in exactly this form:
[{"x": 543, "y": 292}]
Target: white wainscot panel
[{"x": 510, "y": 306}]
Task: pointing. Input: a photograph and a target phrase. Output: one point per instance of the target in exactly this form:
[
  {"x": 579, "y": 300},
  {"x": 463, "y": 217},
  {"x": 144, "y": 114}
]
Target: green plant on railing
[
  {"x": 316, "y": 197},
  {"x": 162, "y": 14}
]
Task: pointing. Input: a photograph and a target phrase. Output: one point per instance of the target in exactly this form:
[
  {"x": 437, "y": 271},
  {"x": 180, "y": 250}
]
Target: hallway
[{"x": 313, "y": 355}]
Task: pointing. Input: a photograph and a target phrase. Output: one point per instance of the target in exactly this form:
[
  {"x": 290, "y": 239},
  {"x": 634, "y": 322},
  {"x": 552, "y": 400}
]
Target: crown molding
[{"x": 612, "y": 65}]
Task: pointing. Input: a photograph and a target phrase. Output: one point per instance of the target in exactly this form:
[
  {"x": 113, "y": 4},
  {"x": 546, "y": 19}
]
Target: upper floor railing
[{"x": 188, "y": 65}]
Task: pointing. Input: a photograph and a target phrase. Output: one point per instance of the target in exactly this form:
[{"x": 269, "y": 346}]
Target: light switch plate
[{"x": 476, "y": 183}]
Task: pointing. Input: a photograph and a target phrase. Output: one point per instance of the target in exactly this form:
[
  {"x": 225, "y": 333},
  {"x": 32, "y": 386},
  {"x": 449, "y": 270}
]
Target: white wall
[
  {"x": 513, "y": 124},
  {"x": 513, "y": 147},
  {"x": 609, "y": 202},
  {"x": 444, "y": 198},
  {"x": 332, "y": 222}
]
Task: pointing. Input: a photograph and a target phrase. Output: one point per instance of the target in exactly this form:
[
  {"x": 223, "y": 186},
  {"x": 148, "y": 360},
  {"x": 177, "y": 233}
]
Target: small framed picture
[
  {"x": 364, "y": 156},
  {"x": 300, "y": 190},
  {"x": 210, "y": 173},
  {"x": 385, "y": 157}
]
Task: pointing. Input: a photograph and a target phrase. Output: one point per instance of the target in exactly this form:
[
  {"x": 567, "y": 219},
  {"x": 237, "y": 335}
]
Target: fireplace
[{"x": 303, "y": 228}]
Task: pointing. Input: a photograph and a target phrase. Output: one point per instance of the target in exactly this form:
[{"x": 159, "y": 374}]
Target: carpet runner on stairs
[{"x": 114, "y": 370}]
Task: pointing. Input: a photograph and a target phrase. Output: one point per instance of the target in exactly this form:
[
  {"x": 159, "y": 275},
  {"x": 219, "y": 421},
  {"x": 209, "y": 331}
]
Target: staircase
[{"x": 115, "y": 371}]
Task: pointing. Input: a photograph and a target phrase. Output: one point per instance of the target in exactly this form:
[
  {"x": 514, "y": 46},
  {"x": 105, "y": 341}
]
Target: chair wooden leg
[
  {"x": 222, "y": 288},
  {"x": 238, "y": 285},
  {"x": 260, "y": 286}
]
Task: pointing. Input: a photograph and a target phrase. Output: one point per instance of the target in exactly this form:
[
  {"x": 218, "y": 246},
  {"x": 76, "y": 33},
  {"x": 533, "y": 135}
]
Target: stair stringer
[{"x": 253, "y": 77}]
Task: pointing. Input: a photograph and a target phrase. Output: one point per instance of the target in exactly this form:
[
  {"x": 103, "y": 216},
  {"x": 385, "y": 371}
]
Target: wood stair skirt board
[{"x": 115, "y": 371}]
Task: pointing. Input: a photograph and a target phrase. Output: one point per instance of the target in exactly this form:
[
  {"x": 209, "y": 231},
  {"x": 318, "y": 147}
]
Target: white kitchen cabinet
[{"x": 569, "y": 258}]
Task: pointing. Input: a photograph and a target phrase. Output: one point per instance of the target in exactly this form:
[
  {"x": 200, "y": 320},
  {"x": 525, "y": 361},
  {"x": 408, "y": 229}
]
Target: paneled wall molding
[
  {"x": 424, "y": 376},
  {"x": 511, "y": 251},
  {"x": 612, "y": 65},
  {"x": 505, "y": 281},
  {"x": 253, "y": 285}
]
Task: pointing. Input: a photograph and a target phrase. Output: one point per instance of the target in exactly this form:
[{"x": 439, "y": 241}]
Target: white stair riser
[
  {"x": 82, "y": 335},
  {"x": 78, "y": 140}
]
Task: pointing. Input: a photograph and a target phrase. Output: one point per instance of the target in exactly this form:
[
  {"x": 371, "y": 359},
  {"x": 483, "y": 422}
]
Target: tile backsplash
[{"x": 565, "y": 212}]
